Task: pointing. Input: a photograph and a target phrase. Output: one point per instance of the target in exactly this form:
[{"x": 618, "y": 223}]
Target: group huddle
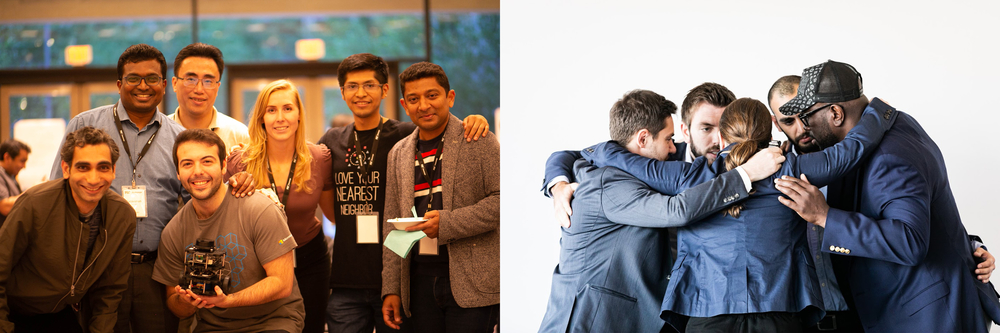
[{"x": 850, "y": 227}]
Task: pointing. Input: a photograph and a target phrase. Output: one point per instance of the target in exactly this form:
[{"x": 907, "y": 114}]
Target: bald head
[{"x": 783, "y": 90}]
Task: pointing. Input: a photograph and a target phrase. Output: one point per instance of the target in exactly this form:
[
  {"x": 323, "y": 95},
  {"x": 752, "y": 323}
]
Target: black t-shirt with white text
[{"x": 359, "y": 265}]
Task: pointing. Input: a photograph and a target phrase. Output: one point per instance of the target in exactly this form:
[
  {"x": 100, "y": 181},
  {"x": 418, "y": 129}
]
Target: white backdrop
[{"x": 564, "y": 63}]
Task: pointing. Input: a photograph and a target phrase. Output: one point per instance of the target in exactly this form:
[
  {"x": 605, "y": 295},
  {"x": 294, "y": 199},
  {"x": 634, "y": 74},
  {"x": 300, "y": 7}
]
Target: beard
[
  {"x": 823, "y": 136},
  {"x": 811, "y": 147},
  {"x": 701, "y": 151}
]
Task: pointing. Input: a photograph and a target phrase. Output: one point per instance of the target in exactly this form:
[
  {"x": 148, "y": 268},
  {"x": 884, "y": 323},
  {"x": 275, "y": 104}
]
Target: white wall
[{"x": 564, "y": 63}]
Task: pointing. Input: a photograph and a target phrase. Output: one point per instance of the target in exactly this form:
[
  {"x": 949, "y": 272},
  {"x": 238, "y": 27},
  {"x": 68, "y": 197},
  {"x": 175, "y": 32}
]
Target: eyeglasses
[
  {"x": 193, "y": 81},
  {"x": 152, "y": 80},
  {"x": 804, "y": 116},
  {"x": 370, "y": 87}
]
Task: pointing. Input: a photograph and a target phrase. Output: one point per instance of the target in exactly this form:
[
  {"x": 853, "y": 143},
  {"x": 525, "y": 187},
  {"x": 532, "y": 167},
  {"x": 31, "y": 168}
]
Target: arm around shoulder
[
  {"x": 629, "y": 201},
  {"x": 484, "y": 215}
]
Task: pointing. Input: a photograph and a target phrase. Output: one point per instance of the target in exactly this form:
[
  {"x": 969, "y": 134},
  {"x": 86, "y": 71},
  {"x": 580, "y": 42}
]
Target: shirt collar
[
  {"x": 123, "y": 115},
  {"x": 212, "y": 126}
]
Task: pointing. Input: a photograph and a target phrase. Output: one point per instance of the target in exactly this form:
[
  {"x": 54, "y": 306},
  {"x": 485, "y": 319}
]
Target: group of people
[
  {"x": 852, "y": 228},
  {"x": 104, "y": 246}
]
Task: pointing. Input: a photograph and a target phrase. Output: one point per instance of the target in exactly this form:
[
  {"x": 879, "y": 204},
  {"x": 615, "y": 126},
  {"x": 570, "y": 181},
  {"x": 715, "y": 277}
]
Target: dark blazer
[
  {"x": 757, "y": 262},
  {"x": 614, "y": 259},
  {"x": 896, "y": 222}
]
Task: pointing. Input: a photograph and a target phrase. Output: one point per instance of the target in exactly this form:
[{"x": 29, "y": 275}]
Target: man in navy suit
[
  {"x": 614, "y": 258},
  {"x": 902, "y": 252}
]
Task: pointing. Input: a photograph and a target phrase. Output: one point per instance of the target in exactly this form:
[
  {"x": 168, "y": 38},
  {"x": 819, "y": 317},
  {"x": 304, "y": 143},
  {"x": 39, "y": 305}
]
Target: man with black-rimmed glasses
[{"x": 145, "y": 177}]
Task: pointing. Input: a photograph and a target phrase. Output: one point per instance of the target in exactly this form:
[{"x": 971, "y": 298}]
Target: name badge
[
  {"x": 429, "y": 246},
  {"x": 136, "y": 196},
  {"x": 367, "y": 229}
]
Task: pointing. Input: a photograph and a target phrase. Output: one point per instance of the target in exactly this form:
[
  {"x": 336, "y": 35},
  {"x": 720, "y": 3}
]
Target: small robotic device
[{"x": 204, "y": 268}]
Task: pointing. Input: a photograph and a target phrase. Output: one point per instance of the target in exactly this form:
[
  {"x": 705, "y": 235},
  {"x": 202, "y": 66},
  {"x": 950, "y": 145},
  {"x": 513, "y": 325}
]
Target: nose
[
  {"x": 361, "y": 92},
  {"x": 92, "y": 176},
  {"x": 196, "y": 169},
  {"x": 424, "y": 104},
  {"x": 672, "y": 148}
]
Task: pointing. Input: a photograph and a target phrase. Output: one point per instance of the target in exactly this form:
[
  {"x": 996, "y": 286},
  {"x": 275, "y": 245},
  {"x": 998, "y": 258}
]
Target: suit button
[
  {"x": 833, "y": 248},
  {"x": 847, "y": 251}
]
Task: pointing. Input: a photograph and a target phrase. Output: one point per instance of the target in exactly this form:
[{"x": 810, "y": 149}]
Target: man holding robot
[{"x": 251, "y": 235}]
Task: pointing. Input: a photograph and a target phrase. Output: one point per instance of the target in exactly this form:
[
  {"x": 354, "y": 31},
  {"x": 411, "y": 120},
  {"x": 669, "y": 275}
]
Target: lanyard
[
  {"x": 371, "y": 158},
  {"x": 423, "y": 169},
  {"x": 288, "y": 182},
  {"x": 121, "y": 132}
]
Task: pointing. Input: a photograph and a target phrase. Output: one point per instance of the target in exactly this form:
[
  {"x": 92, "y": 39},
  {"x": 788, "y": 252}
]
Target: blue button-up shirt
[
  {"x": 833, "y": 300},
  {"x": 156, "y": 171}
]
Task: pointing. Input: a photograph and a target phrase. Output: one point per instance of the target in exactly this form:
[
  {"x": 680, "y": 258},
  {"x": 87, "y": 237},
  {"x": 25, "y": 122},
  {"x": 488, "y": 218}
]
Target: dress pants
[
  {"x": 838, "y": 321},
  {"x": 62, "y": 321},
  {"x": 143, "y": 307},
  {"x": 312, "y": 271},
  {"x": 745, "y": 323},
  {"x": 358, "y": 311},
  {"x": 434, "y": 309}
]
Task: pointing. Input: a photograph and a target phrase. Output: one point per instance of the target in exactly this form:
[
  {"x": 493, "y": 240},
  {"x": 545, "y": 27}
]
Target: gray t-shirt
[{"x": 254, "y": 232}]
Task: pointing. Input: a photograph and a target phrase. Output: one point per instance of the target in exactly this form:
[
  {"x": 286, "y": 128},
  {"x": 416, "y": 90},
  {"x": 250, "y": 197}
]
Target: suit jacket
[
  {"x": 469, "y": 223},
  {"x": 560, "y": 163},
  {"x": 908, "y": 251},
  {"x": 757, "y": 262},
  {"x": 614, "y": 259}
]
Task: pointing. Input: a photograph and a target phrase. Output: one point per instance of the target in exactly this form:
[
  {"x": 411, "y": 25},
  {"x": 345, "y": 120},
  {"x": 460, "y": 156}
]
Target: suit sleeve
[
  {"x": 901, "y": 232},
  {"x": 832, "y": 163},
  {"x": 667, "y": 177},
  {"x": 560, "y": 163},
  {"x": 391, "y": 262},
  {"x": 484, "y": 215},
  {"x": 106, "y": 294},
  {"x": 626, "y": 200},
  {"x": 15, "y": 235}
]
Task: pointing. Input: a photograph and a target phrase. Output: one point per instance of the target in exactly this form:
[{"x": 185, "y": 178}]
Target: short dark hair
[
  {"x": 140, "y": 53},
  {"x": 786, "y": 85},
  {"x": 199, "y": 50},
  {"x": 13, "y": 148},
  {"x": 636, "y": 110},
  {"x": 710, "y": 92},
  {"x": 200, "y": 135},
  {"x": 87, "y": 136},
  {"x": 360, "y": 62},
  {"x": 421, "y": 70}
]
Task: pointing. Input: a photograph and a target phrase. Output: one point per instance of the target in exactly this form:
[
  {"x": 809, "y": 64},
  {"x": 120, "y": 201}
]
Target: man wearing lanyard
[
  {"x": 15, "y": 155},
  {"x": 455, "y": 185},
  {"x": 360, "y": 152},
  {"x": 145, "y": 177}
]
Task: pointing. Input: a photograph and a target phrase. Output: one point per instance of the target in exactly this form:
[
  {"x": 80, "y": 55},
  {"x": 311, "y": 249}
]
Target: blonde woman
[{"x": 279, "y": 158}]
